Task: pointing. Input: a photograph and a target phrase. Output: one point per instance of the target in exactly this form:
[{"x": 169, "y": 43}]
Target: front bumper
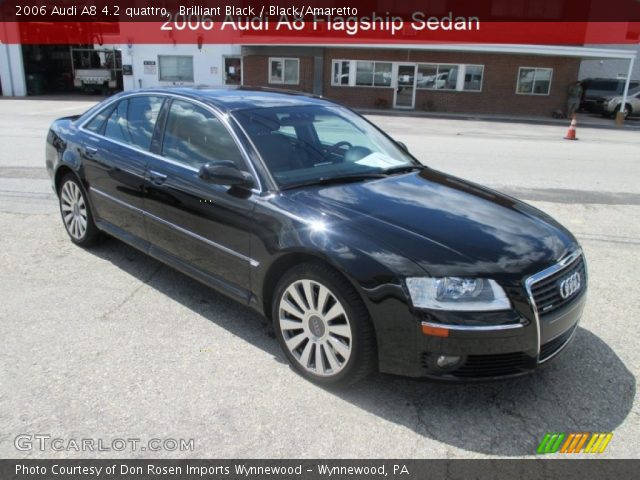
[
  {"x": 592, "y": 105},
  {"x": 603, "y": 108},
  {"x": 501, "y": 353},
  {"x": 491, "y": 349}
]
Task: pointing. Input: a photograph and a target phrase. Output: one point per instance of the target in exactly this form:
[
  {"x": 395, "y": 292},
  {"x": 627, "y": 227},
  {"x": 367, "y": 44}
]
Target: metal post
[
  {"x": 73, "y": 66},
  {"x": 620, "y": 114},
  {"x": 10, "y": 87}
]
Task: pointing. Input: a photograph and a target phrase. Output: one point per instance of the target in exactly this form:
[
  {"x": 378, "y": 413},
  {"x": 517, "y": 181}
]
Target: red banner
[{"x": 255, "y": 31}]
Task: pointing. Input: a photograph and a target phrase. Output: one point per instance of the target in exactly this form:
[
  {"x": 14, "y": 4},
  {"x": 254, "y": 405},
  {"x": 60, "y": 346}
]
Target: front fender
[{"x": 284, "y": 238}]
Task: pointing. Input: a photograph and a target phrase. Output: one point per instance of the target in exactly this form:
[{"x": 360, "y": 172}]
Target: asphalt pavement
[{"x": 108, "y": 343}]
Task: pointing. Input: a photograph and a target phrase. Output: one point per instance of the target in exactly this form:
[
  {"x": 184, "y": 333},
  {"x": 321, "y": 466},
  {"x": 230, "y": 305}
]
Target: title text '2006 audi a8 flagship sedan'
[{"x": 362, "y": 257}]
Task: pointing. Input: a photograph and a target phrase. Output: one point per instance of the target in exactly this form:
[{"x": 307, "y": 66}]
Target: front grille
[
  {"x": 552, "y": 346},
  {"x": 546, "y": 292}
]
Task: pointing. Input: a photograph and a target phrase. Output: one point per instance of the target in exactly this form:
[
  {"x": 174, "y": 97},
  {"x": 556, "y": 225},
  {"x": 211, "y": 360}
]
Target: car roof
[{"x": 241, "y": 98}]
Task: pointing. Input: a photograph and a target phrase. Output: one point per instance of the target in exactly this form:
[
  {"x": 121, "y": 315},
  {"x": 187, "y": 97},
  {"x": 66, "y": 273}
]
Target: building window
[
  {"x": 284, "y": 71},
  {"x": 427, "y": 76},
  {"x": 534, "y": 81},
  {"x": 433, "y": 76},
  {"x": 367, "y": 73},
  {"x": 430, "y": 76},
  {"x": 364, "y": 74},
  {"x": 382, "y": 74},
  {"x": 341, "y": 70},
  {"x": 473, "y": 78},
  {"x": 175, "y": 68}
]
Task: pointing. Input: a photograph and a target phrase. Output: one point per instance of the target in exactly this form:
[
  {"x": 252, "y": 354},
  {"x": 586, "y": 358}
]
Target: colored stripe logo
[{"x": 584, "y": 442}]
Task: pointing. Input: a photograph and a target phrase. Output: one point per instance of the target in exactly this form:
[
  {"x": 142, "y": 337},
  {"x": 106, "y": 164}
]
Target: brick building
[{"x": 501, "y": 79}]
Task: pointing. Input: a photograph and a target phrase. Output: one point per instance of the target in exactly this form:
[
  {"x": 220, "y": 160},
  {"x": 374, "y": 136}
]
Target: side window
[
  {"x": 194, "y": 136},
  {"x": 116, "y": 128},
  {"x": 133, "y": 121},
  {"x": 96, "y": 125},
  {"x": 142, "y": 115}
]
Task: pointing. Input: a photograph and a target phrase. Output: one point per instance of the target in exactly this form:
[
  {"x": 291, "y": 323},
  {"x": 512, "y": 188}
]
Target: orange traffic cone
[{"x": 571, "y": 133}]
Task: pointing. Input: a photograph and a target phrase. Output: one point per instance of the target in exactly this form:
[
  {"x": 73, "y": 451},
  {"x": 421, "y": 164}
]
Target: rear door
[
  {"x": 204, "y": 226},
  {"x": 115, "y": 157}
]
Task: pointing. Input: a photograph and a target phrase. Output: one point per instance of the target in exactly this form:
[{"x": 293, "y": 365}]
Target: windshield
[{"x": 312, "y": 144}]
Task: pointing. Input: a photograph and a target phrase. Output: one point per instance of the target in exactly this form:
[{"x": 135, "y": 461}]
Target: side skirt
[{"x": 217, "y": 283}]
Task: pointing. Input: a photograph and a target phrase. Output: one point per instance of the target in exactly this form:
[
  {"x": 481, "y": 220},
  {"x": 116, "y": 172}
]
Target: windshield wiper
[
  {"x": 403, "y": 169},
  {"x": 338, "y": 179},
  {"x": 356, "y": 177}
]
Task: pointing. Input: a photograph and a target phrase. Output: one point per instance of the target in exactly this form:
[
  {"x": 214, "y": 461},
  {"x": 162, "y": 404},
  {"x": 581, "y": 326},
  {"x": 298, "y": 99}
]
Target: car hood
[
  {"x": 630, "y": 98},
  {"x": 445, "y": 224}
]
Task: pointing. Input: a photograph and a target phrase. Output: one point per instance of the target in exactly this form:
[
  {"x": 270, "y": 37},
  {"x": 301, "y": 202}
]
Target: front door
[
  {"x": 204, "y": 227},
  {"x": 232, "y": 71},
  {"x": 405, "y": 86}
]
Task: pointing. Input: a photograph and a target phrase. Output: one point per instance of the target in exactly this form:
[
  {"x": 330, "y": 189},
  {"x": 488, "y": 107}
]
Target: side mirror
[
  {"x": 403, "y": 146},
  {"x": 225, "y": 172}
]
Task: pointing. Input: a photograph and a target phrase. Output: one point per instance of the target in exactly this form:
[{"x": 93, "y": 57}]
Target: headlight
[{"x": 455, "y": 293}]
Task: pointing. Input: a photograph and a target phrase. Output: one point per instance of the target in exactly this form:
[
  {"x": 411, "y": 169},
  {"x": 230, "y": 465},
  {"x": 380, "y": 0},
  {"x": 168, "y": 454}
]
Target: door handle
[
  {"x": 90, "y": 150},
  {"x": 157, "y": 178}
]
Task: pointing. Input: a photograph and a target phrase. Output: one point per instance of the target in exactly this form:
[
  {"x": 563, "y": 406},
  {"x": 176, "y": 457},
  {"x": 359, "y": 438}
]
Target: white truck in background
[
  {"x": 93, "y": 78},
  {"x": 96, "y": 70}
]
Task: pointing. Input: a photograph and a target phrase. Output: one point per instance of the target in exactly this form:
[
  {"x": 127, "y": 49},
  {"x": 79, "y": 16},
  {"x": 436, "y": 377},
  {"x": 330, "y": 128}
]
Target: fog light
[{"x": 447, "y": 361}]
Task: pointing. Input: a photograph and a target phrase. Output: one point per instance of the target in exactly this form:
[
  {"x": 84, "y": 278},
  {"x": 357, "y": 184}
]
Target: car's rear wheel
[
  {"x": 76, "y": 212},
  {"x": 323, "y": 326}
]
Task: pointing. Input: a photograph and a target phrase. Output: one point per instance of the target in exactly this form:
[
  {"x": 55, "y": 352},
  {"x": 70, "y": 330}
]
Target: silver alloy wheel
[
  {"x": 74, "y": 210},
  {"x": 315, "y": 327}
]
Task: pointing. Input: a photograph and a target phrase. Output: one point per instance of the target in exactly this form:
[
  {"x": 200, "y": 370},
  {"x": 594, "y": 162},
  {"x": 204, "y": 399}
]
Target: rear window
[
  {"x": 133, "y": 121},
  {"x": 613, "y": 86},
  {"x": 96, "y": 125}
]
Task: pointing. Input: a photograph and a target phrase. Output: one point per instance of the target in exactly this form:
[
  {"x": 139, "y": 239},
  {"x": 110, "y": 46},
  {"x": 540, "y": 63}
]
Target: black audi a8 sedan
[{"x": 361, "y": 256}]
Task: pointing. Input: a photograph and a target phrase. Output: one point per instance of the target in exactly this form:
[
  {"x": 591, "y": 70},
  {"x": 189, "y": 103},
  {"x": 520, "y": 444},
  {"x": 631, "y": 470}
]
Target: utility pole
[{"x": 620, "y": 114}]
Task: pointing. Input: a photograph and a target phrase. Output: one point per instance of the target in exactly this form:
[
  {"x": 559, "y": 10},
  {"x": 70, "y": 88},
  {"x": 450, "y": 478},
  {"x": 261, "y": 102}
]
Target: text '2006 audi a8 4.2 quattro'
[{"x": 362, "y": 257}]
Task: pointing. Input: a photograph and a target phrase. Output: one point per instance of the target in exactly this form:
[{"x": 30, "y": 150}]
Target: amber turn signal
[{"x": 435, "y": 331}]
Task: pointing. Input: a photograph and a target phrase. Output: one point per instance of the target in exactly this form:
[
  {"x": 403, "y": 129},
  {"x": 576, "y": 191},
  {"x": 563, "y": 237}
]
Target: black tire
[
  {"x": 88, "y": 235},
  {"x": 362, "y": 359}
]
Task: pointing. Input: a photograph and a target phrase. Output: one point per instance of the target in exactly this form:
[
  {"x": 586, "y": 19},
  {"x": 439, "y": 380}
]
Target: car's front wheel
[
  {"x": 76, "y": 212},
  {"x": 626, "y": 112},
  {"x": 323, "y": 326}
]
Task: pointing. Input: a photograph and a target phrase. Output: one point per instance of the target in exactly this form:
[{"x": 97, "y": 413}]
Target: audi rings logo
[{"x": 570, "y": 285}]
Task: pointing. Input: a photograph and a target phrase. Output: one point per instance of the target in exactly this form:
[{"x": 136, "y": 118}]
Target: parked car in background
[
  {"x": 595, "y": 90},
  {"x": 612, "y": 105}
]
